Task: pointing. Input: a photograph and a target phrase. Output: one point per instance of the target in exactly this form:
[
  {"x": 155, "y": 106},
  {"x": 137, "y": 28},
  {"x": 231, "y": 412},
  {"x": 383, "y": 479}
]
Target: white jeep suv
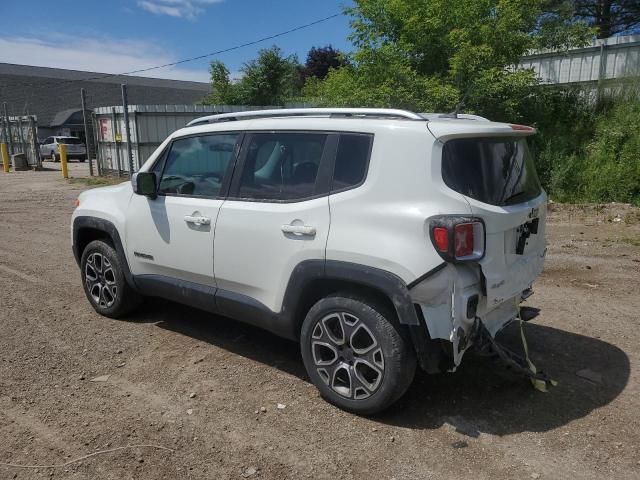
[{"x": 378, "y": 239}]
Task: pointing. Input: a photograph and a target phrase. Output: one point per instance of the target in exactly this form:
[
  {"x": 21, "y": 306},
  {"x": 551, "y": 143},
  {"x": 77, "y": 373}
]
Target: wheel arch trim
[
  {"x": 81, "y": 223},
  {"x": 310, "y": 271}
]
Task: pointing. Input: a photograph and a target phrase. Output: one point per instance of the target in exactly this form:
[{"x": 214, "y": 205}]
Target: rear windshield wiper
[{"x": 515, "y": 195}]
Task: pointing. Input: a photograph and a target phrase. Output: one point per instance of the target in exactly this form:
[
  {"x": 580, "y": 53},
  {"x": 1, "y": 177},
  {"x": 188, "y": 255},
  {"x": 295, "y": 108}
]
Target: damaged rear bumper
[{"x": 453, "y": 305}]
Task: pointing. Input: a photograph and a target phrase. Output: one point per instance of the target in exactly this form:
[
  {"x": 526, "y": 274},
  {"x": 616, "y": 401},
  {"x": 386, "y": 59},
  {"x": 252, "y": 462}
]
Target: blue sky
[{"x": 115, "y": 36}]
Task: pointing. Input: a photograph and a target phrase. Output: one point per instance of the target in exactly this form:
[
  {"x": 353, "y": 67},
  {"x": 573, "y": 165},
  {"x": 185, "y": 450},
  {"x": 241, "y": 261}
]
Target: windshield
[
  {"x": 497, "y": 171},
  {"x": 70, "y": 140}
]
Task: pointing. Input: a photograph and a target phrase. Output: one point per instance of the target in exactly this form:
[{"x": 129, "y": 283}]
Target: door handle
[
  {"x": 197, "y": 219},
  {"x": 299, "y": 229}
]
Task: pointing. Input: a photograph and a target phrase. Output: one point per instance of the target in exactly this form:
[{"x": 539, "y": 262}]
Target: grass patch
[
  {"x": 97, "y": 181},
  {"x": 631, "y": 241}
]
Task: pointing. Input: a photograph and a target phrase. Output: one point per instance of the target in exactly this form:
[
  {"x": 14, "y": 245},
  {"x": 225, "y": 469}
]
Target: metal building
[
  {"x": 149, "y": 125},
  {"x": 604, "y": 60},
  {"x": 53, "y": 94}
]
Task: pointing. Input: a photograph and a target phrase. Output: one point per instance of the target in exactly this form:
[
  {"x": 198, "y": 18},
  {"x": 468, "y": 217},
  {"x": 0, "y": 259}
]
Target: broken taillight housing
[{"x": 457, "y": 238}]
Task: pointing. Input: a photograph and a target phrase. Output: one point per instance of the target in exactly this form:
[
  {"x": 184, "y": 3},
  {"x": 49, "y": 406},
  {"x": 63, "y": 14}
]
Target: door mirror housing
[{"x": 144, "y": 183}]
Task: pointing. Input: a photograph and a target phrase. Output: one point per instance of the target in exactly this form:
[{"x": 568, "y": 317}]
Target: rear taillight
[
  {"x": 441, "y": 239},
  {"x": 463, "y": 240},
  {"x": 457, "y": 239}
]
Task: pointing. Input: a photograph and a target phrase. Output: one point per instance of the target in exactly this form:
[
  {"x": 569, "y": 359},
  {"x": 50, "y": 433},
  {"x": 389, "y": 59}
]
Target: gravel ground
[{"x": 207, "y": 388}]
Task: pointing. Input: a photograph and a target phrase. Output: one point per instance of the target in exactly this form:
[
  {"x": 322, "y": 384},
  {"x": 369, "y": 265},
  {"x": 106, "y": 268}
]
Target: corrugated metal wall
[
  {"x": 605, "y": 59},
  {"x": 149, "y": 125}
]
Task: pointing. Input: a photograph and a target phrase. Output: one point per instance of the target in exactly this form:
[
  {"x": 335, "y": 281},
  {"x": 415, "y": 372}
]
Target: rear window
[
  {"x": 497, "y": 171},
  {"x": 69, "y": 141},
  {"x": 352, "y": 159}
]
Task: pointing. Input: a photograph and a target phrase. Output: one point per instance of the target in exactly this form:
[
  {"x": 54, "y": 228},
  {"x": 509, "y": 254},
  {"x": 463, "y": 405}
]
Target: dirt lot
[{"x": 477, "y": 423}]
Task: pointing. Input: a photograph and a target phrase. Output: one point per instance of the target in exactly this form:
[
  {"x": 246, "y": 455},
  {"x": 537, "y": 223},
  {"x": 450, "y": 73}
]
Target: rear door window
[
  {"x": 497, "y": 171},
  {"x": 196, "y": 166},
  {"x": 70, "y": 141},
  {"x": 352, "y": 160},
  {"x": 281, "y": 166}
]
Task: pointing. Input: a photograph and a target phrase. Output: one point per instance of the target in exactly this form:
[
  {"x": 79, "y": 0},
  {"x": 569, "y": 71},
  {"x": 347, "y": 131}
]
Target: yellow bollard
[
  {"x": 63, "y": 159},
  {"x": 5, "y": 157}
]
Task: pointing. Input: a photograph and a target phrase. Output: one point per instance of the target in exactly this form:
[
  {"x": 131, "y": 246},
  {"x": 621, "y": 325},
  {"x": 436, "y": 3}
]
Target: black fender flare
[
  {"x": 383, "y": 281},
  {"x": 100, "y": 224}
]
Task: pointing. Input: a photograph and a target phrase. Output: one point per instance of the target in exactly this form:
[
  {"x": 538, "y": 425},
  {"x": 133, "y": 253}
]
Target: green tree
[
  {"x": 381, "y": 77},
  {"x": 447, "y": 53},
  {"x": 222, "y": 90},
  {"x": 322, "y": 59},
  {"x": 270, "y": 79},
  {"x": 609, "y": 17}
]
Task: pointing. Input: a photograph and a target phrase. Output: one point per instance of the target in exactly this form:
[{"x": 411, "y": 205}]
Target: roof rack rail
[
  {"x": 454, "y": 116},
  {"x": 308, "y": 112}
]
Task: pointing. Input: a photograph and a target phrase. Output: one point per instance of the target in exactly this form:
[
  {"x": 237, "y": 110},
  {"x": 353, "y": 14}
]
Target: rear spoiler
[{"x": 444, "y": 130}]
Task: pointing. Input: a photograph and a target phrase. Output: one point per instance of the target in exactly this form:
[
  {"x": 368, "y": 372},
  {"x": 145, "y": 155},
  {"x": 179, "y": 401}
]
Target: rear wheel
[
  {"x": 356, "y": 354},
  {"x": 104, "y": 282}
]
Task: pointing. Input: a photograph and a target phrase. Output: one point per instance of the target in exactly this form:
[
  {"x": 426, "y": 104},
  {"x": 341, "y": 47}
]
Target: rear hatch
[
  {"x": 495, "y": 172},
  {"x": 73, "y": 145}
]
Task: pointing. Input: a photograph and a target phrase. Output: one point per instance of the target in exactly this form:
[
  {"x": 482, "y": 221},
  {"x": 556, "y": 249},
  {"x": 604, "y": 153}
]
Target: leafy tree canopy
[
  {"x": 438, "y": 54},
  {"x": 609, "y": 17},
  {"x": 270, "y": 79},
  {"x": 320, "y": 60}
]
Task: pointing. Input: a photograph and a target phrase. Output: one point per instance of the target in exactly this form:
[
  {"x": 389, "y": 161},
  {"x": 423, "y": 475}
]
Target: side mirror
[{"x": 144, "y": 183}]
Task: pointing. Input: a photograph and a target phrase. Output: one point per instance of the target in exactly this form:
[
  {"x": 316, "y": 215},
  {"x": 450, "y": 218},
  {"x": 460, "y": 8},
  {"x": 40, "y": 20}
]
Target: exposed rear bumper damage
[
  {"x": 485, "y": 344},
  {"x": 452, "y": 300},
  {"x": 454, "y": 306}
]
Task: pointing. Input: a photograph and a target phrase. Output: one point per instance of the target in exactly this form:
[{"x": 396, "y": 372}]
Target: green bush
[{"x": 604, "y": 167}]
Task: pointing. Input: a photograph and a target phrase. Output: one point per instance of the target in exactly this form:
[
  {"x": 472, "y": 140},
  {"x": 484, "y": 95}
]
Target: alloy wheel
[
  {"x": 347, "y": 356},
  {"x": 100, "y": 279}
]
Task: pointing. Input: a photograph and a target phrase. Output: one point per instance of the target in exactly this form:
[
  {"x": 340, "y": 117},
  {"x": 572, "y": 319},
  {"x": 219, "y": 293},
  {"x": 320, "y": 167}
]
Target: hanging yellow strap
[{"x": 539, "y": 385}]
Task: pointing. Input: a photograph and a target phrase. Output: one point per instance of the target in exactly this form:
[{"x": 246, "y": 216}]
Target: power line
[
  {"x": 192, "y": 59},
  {"x": 230, "y": 49}
]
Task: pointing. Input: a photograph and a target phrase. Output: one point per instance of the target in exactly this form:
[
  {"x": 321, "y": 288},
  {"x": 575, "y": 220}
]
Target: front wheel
[
  {"x": 356, "y": 354},
  {"x": 104, "y": 282}
]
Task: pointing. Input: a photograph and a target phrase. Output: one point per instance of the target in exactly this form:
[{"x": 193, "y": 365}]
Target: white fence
[{"x": 606, "y": 59}]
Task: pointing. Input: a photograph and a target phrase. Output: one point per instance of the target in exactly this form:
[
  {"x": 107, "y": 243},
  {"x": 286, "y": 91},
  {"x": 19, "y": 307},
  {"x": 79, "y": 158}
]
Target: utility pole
[
  {"x": 127, "y": 130},
  {"x": 87, "y": 137},
  {"x": 116, "y": 143},
  {"x": 94, "y": 125},
  {"x": 34, "y": 142}
]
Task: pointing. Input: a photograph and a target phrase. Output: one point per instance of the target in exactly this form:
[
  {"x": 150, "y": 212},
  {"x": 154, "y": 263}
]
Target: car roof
[
  {"x": 363, "y": 120},
  {"x": 325, "y": 124}
]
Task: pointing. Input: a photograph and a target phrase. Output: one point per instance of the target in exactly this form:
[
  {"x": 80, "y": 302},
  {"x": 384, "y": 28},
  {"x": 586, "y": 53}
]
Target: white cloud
[
  {"x": 176, "y": 8},
  {"x": 101, "y": 55}
]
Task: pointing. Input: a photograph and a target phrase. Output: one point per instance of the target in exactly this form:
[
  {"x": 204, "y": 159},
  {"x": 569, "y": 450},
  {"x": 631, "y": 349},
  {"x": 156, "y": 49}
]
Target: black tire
[
  {"x": 367, "y": 393},
  {"x": 105, "y": 286},
  {"x": 82, "y": 159}
]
